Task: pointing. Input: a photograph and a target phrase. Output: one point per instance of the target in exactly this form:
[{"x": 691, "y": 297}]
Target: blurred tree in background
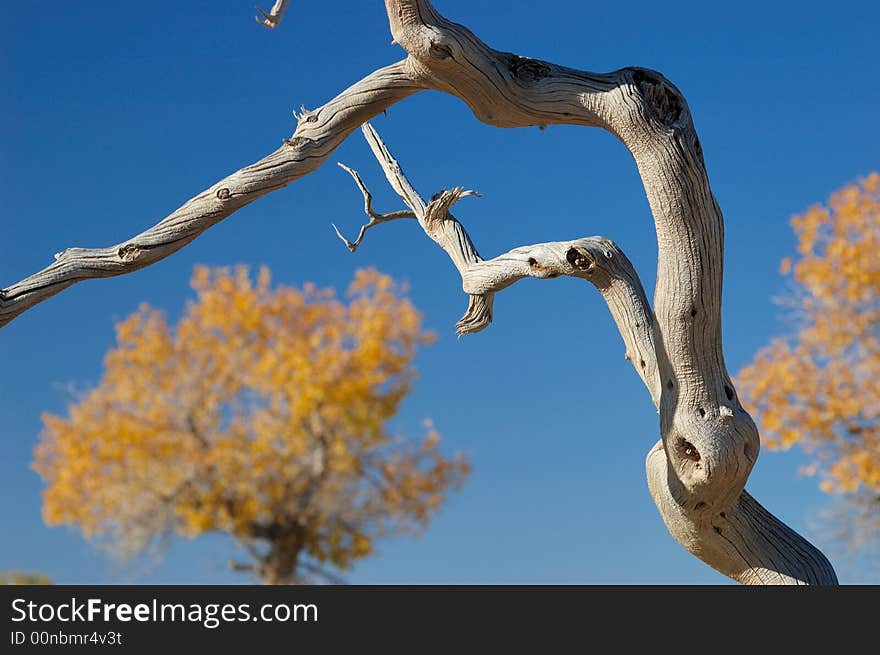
[
  {"x": 819, "y": 387},
  {"x": 261, "y": 414},
  {"x": 22, "y": 578}
]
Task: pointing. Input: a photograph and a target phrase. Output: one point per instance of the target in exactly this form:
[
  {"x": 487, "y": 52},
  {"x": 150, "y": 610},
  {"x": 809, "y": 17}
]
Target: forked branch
[
  {"x": 595, "y": 259},
  {"x": 709, "y": 444},
  {"x": 375, "y": 219},
  {"x": 743, "y": 541}
]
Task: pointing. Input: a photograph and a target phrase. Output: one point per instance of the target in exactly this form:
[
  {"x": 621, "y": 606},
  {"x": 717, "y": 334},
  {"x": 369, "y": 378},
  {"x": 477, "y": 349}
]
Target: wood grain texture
[
  {"x": 698, "y": 470},
  {"x": 317, "y": 135},
  {"x": 709, "y": 443}
]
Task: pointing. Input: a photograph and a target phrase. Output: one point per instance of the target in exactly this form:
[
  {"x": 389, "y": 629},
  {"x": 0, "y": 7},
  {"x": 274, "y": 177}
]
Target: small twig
[
  {"x": 273, "y": 18},
  {"x": 375, "y": 219}
]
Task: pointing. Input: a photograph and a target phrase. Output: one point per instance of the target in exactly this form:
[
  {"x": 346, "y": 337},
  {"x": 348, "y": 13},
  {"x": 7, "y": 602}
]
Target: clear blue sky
[{"x": 116, "y": 113}]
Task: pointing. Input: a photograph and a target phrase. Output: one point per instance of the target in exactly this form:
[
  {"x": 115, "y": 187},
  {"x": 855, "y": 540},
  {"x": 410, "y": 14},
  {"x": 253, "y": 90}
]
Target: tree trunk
[{"x": 279, "y": 566}]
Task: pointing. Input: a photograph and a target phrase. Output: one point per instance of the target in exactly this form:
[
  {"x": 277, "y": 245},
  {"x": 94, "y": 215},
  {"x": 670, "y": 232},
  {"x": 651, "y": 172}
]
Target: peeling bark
[{"x": 698, "y": 470}]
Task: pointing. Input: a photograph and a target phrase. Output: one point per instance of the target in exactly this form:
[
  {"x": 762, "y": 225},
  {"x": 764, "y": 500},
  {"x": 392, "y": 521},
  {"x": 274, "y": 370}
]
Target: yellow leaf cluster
[
  {"x": 820, "y": 387},
  {"x": 262, "y": 413}
]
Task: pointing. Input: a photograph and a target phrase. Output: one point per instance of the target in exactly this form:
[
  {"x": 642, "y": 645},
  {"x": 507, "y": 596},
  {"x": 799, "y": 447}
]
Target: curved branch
[
  {"x": 375, "y": 219},
  {"x": 318, "y": 133},
  {"x": 272, "y": 18},
  {"x": 744, "y": 542},
  {"x": 435, "y": 220},
  {"x": 594, "y": 259},
  {"x": 709, "y": 442}
]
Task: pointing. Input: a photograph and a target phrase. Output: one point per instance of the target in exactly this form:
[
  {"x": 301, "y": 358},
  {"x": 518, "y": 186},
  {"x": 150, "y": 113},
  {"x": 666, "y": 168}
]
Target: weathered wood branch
[
  {"x": 594, "y": 259},
  {"x": 743, "y": 541},
  {"x": 437, "y": 222},
  {"x": 273, "y": 17},
  {"x": 375, "y": 219},
  {"x": 709, "y": 444},
  {"x": 317, "y": 134}
]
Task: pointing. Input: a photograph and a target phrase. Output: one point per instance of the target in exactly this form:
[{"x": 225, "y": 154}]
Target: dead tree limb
[
  {"x": 742, "y": 540},
  {"x": 273, "y": 17},
  {"x": 698, "y": 470}
]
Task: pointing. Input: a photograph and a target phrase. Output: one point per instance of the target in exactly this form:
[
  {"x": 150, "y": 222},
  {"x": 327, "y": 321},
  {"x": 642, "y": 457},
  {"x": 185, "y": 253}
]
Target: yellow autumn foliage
[
  {"x": 819, "y": 388},
  {"x": 262, "y": 413},
  {"x": 21, "y": 578}
]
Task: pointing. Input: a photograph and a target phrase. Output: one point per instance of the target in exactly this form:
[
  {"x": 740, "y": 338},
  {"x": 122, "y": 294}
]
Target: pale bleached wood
[
  {"x": 437, "y": 222},
  {"x": 595, "y": 259},
  {"x": 273, "y": 17},
  {"x": 375, "y": 218},
  {"x": 317, "y": 134},
  {"x": 709, "y": 444},
  {"x": 743, "y": 540}
]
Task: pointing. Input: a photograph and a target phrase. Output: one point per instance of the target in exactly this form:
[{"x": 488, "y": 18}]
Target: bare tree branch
[
  {"x": 736, "y": 543},
  {"x": 375, "y": 219},
  {"x": 595, "y": 259},
  {"x": 317, "y": 134},
  {"x": 241, "y": 567},
  {"x": 709, "y": 443},
  {"x": 272, "y": 19}
]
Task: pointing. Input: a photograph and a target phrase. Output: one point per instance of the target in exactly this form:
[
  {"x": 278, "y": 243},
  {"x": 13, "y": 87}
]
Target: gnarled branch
[
  {"x": 595, "y": 259},
  {"x": 709, "y": 444},
  {"x": 743, "y": 541},
  {"x": 317, "y": 134},
  {"x": 709, "y": 441}
]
